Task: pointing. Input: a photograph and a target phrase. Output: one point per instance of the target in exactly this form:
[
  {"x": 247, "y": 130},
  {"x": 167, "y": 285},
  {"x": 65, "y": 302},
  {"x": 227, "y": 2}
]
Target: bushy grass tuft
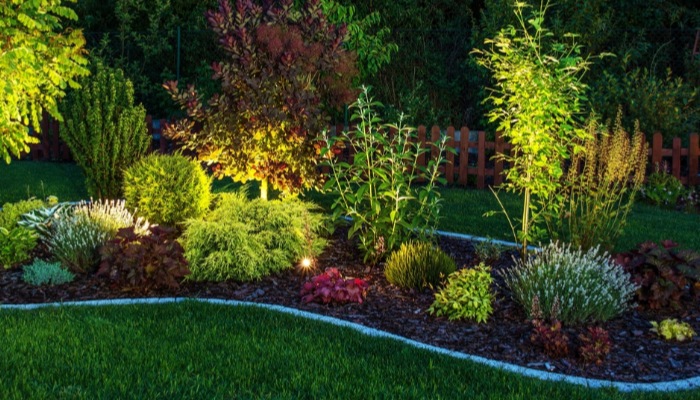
[
  {"x": 417, "y": 264},
  {"x": 246, "y": 239}
]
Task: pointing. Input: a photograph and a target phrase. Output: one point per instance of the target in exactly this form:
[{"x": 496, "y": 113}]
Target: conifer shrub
[
  {"x": 246, "y": 239},
  {"x": 418, "y": 264},
  {"x": 104, "y": 130},
  {"x": 167, "y": 189},
  {"x": 41, "y": 272}
]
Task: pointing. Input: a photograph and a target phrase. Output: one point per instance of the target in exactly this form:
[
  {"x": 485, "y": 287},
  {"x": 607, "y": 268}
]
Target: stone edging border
[{"x": 683, "y": 384}]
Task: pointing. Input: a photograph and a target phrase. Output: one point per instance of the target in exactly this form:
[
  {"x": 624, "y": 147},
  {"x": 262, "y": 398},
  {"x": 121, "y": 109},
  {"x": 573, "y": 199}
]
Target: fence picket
[
  {"x": 450, "y": 165},
  {"x": 463, "y": 155},
  {"x": 693, "y": 155},
  {"x": 481, "y": 163}
]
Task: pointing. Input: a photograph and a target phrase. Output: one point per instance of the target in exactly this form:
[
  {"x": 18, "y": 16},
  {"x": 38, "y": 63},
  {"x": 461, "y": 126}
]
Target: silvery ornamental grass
[{"x": 589, "y": 285}]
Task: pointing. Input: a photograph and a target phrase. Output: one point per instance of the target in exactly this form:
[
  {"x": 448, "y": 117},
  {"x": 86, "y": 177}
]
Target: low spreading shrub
[
  {"x": 151, "y": 259},
  {"x": 596, "y": 346},
  {"x": 588, "y": 285},
  {"x": 670, "y": 329},
  {"x": 488, "y": 251},
  {"x": 416, "y": 265},
  {"x": 662, "y": 189},
  {"x": 41, "y": 272},
  {"x": 331, "y": 287},
  {"x": 663, "y": 273},
  {"x": 11, "y": 212},
  {"x": 246, "y": 239},
  {"x": 167, "y": 189},
  {"x": 467, "y": 294},
  {"x": 549, "y": 336},
  {"x": 15, "y": 245}
]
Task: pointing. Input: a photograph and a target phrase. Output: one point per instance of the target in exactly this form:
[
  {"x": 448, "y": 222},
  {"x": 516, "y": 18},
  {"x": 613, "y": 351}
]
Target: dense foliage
[
  {"x": 548, "y": 335},
  {"x": 587, "y": 286},
  {"x": 15, "y": 245},
  {"x": 105, "y": 130},
  {"x": 595, "y": 345},
  {"x": 143, "y": 260},
  {"x": 41, "y": 273},
  {"x": 662, "y": 189},
  {"x": 11, "y": 213},
  {"x": 467, "y": 294},
  {"x": 284, "y": 68},
  {"x": 663, "y": 273},
  {"x": 37, "y": 63},
  {"x": 487, "y": 251},
  {"x": 330, "y": 287},
  {"x": 167, "y": 189},
  {"x": 671, "y": 329},
  {"x": 246, "y": 239},
  {"x": 599, "y": 188},
  {"x": 376, "y": 186},
  {"x": 417, "y": 265}
]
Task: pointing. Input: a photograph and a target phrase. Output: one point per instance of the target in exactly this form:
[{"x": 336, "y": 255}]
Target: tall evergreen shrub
[{"x": 104, "y": 130}]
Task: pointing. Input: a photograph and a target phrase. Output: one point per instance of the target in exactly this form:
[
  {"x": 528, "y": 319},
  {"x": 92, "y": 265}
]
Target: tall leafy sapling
[{"x": 285, "y": 67}]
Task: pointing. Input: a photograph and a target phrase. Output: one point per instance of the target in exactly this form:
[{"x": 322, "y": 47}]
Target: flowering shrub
[
  {"x": 663, "y": 273},
  {"x": 417, "y": 265},
  {"x": 488, "y": 251},
  {"x": 662, "y": 188},
  {"x": 690, "y": 201},
  {"x": 152, "y": 259},
  {"x": 670, "y": 329},
  {"x": 467, "y": 295},
  {"x": 75, "y": 238},
  {"x": 331, "y": 287},
  {"x": 588, "y": 286},
  {"x": 112, "y": 215},
  {"x": 596, "y": 345},
  {"x": 41, "y": 272},
  {"x": 549, "y": 336}
]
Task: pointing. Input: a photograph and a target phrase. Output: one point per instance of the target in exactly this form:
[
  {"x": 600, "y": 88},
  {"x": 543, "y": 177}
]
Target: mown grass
[
  {"x": 462, "y": 212},
  {"x": 203, "y": 351}
]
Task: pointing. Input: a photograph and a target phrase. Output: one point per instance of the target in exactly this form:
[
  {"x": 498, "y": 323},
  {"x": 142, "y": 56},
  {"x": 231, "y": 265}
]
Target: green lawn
[
  {"x": 462, "y": 212},
  {"x": 203, "y": 351}
]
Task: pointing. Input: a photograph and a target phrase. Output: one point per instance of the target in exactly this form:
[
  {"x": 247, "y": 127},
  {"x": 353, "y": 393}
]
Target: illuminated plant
[
  {"x": 36, "y": 66},
  {"x": 671, "y": 329},
  {"x": 284, "y": 68},
  {"x": 537, "y": 96}
]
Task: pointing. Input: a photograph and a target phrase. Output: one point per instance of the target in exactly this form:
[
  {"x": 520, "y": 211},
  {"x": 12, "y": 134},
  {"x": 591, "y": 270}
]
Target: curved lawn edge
[{"x": 682, "y": 384}]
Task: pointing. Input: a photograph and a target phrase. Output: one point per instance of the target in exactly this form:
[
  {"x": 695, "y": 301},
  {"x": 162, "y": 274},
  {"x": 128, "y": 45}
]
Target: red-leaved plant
[
  {"x": 153, "y": 259},
  {"x": 549, "y": 336},
  {"x": 331, "y": 287},
  {"x": 596, "y": 345}
]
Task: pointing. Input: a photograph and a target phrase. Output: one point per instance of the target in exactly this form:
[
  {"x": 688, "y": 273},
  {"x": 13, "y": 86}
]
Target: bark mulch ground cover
[{"x": 636, "y": 356}]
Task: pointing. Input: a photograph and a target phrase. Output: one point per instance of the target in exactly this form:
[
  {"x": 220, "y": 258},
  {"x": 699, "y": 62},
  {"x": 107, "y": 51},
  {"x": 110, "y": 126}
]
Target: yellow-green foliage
[
  {"x": 467, "y": 295},
  {"x": 418, "y": 264},
  {"x": 670, "y": 329},
  {"x": 167, "y": 190},
  {"x": 105, "y": 130},
  {"x": 246, "y": 239},
  {"x": 11, "y": 212}
]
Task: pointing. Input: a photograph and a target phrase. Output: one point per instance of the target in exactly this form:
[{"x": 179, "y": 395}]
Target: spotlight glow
[{"x": 306, "y": 263}]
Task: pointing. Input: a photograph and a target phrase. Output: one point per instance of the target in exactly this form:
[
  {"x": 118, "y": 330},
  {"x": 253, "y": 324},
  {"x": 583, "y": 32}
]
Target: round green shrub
[
  {"x": 167, "y": 189},
  {"x": 416, "y": 265},
  {"x": 467, "y": 295}
]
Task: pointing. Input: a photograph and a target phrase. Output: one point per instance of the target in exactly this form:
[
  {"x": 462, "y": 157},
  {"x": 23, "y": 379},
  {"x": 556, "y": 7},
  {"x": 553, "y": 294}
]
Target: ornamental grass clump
[
  {"x": 41, "y": 273},
  {"x": 416, "y": 265},
  {"x": 589, "y": 286}
]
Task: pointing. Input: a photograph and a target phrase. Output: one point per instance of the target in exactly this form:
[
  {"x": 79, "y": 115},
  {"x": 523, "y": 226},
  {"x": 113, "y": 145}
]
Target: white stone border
[{"x": 683, "y": 384}]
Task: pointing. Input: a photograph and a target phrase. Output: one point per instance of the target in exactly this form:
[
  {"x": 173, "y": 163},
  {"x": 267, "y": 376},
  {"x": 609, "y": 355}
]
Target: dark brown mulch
[{"x": 637, "y": 355}]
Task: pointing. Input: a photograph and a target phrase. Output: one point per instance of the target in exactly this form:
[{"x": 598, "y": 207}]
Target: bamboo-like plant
[
  {"x": 104, "y": 130},
  {"x": 599, "y": 187}
]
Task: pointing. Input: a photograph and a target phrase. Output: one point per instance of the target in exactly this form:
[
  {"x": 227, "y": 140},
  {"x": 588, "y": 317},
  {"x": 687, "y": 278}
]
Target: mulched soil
[{"x": 637, "y": 355}]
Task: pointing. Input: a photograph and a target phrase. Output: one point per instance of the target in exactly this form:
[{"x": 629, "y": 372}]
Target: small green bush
[
  {"x": 671, "y": 329},
  {"x": 11, "y": 212},
  {"x": 417, "y": 264},
  {"x": 467, "y": 294},
  {"x": 167, "y": 190},
  {"x": 41, "y": 272},
  {"x": 662, "y": 189},
  {"x": 246, "y": 239},
  {"x": 15, "y": 245},
  {"x": 488, "y": 251}
]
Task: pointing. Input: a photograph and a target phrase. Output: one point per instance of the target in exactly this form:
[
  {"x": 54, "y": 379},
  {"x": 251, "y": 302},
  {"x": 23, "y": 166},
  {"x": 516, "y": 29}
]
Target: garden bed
[{"x": 636, "y": 356}]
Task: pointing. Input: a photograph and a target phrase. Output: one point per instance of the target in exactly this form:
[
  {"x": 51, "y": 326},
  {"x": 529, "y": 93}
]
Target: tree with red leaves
[{"x": 285, "y": 67}]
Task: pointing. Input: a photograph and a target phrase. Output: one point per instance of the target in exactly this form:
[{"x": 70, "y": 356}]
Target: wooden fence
[{"x": 473, "y": 157}]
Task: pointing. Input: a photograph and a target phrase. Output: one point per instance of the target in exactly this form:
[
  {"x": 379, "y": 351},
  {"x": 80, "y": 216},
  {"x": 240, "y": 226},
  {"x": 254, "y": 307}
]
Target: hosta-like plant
[
  {"x": 331, "y": 287},
  {"x": 143, "y": 261},
  {"x": 377, "y": 189},
  {"x": 284, "y": 67}
]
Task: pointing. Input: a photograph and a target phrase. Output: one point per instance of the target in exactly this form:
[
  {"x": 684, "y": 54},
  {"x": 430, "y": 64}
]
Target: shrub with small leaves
[
  {"x": 671, "y": 329},
  {"x": 15, "y": 245},
  {"x": 662, "y": 189},
  {"x": 596, "y": 345},
  {"x": 331, "y": 287},
  {"x": 11, "y": 212},
  {"x": 488, "y": 251},
  {"x": 467, "y": 295},
  {"x": 167, "y": 189},
  {"x": 41, "y": 273},
  {"x": 418, "y": 264},
  {"x": 150, "y": 260},
  {"x": 549, "y": 336}
]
